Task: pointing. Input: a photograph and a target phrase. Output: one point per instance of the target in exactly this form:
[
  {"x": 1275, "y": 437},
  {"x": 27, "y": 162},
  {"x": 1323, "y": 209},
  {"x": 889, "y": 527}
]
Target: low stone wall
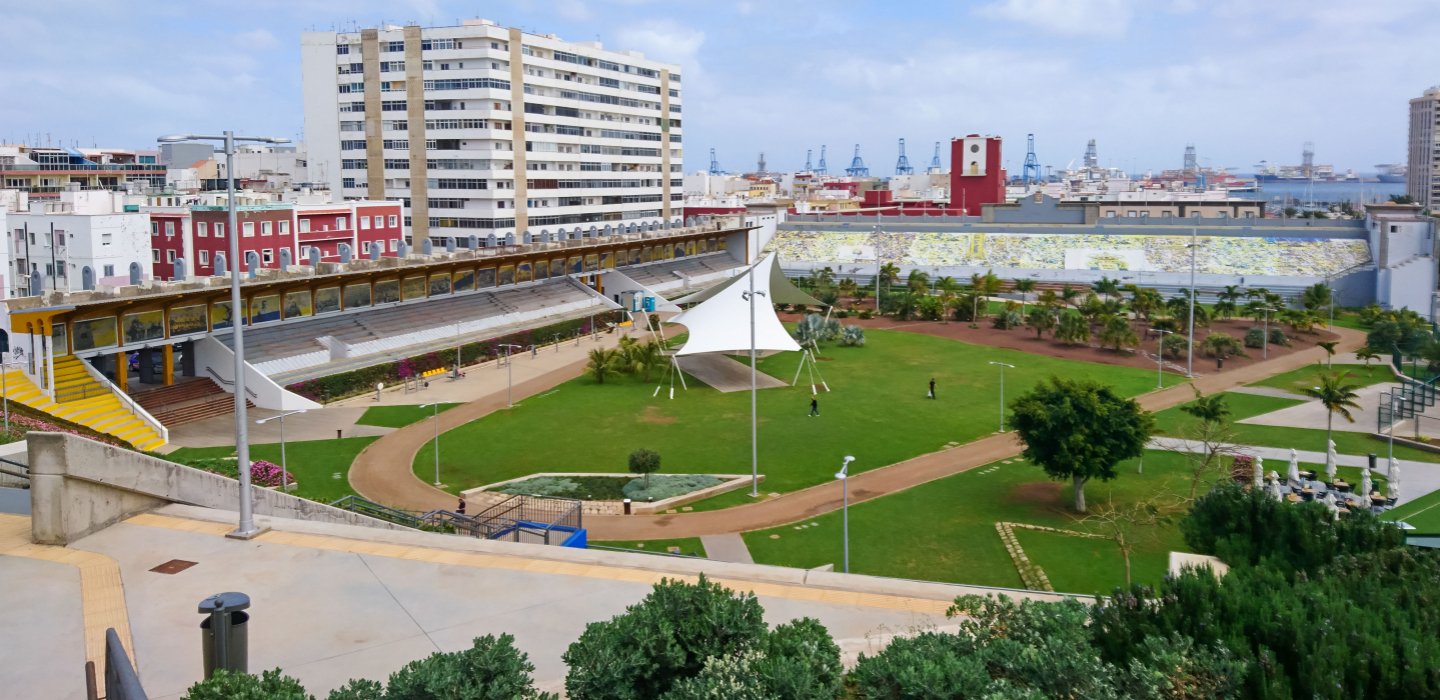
[
  {"x": 482, "y": 497},
  {"x": 79, "y": 486}
]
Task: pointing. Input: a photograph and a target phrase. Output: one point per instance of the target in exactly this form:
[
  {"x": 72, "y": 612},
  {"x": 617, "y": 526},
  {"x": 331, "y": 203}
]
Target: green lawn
[
  {"x": 687, "y": 545},
  {"x": 1423, "y": 512},
  {"x": 1246, "y": 405},
  {"x": 876, "y": 410},
  {"x": 1345, "y": 319},
  {"x": 945, "y": 530},
  {"x": 1296, "y": 380},
  {"x": 321, "y": 467},
  {"x": 399, "y": 416}
]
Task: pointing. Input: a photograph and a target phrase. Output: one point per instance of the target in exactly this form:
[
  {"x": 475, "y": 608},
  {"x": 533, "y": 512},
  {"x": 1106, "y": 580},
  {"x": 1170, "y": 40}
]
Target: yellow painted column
[
  {"x": 122, "y": 371},
  {"x": 167, "y": 362}
]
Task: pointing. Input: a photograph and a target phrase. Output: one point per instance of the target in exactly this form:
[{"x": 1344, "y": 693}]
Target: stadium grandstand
[{"x": 133, "y": 361}]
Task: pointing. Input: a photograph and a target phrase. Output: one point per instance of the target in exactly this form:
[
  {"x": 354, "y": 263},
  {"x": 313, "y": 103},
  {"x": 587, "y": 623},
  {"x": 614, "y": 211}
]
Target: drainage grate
[{"x": 174, "y": 566}]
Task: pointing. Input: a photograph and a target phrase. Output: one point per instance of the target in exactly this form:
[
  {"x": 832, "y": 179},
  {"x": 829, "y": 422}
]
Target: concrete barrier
[{"x": 79, "y": 486}]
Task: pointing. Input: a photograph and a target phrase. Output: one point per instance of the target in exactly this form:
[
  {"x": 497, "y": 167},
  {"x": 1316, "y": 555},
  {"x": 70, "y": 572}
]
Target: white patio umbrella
[
  {"x": 1259, "y": 473},
  {"x": 1393, "y": 478},
  {"x": 1294, "y": 468},
  {"x": 1330, "y": 459},
  {"x": 1330, "y": 500},
  {"x": 1365, "y": 484},
  {"x": 1275, "y": 486}
]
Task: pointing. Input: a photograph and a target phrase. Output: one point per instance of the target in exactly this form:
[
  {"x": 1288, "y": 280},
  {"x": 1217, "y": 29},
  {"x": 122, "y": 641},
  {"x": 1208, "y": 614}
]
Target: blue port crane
[
  {"x": 821, "y": 170},
  {"x": 857, "y": 165},
  {"x": 807, "y": 160},
  {"x": 714, "y": 164},
  {"x": 902, "y": 166},
  {"x": 935, "y": 166},
  {"x": 1031, "y": 172}
]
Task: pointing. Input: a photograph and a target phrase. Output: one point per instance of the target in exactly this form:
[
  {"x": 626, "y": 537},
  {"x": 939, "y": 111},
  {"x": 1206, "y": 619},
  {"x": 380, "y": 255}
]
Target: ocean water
[{"x": 1329, "y": 192}]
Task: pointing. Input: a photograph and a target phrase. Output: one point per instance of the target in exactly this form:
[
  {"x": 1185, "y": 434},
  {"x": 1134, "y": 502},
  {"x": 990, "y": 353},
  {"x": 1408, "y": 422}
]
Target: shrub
[
  {"x": 542, "y": 486},
  {"x": 1007, "y": 320},
  {"x": 1174, "y": 344},
  {"x": 854, "y": 337},
  {"x": 492, "y": 669},
  {"x": 228, "y": 685},
  {"x": 643, "y": 461},
  {"x": 800, "y": 308},
  {"x": 1073, "y": 329},
  {"x": 867, "y": 313},
  {"x": 668, "y": 486},
  {"x": 1255, "y": 338},
  {"x": 1223, "y": 345},
  {"x": 1277, "y": 337},
  {"x": 842, "y": 313}
]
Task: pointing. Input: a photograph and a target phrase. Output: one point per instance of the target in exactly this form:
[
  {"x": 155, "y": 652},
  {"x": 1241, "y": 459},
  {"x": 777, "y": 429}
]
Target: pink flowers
[
  {"x": 20, "y": 425},
  {"x": 267, "y": 474}
]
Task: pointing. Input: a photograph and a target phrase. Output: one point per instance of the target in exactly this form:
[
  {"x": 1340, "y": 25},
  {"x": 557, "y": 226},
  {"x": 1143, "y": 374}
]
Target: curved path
[{"x": 383, "y": 471}]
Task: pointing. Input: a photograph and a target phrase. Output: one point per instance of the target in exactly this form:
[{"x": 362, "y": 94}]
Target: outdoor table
[
  {"x": 1377, "y": 500},
  {"x": 1293, "y": 498},
  {"x": 1341, "y": 486},
  {"x": 1342, "y": 510},
  {"x": 1308, "y": 493}
]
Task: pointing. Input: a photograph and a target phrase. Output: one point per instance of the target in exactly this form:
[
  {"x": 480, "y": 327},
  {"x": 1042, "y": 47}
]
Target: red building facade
[{"x": 976, "y": 177}]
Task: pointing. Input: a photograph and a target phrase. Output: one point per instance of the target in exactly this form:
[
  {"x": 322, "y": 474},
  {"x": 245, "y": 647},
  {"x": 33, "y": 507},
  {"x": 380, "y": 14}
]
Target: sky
[{"x": 1243, "y": 80}]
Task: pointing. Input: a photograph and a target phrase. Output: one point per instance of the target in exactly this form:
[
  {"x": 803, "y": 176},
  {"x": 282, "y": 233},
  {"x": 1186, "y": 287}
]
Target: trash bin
[{"x": 225, "y": 632}]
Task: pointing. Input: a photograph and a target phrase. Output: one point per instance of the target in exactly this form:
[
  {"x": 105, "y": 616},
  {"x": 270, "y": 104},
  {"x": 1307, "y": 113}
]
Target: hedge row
[{"x": 346, "y": 384}]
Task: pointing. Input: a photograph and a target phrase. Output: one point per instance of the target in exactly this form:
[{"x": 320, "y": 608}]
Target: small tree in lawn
[
  {"x": 646, "y": 462},
  {"x": 1217, "y": 440},
  {"x": 1336, "y": 395},
  {"x": 1125, "y": 524},
  {"x": 1080, "y": 429},
  {"x": 604, "y": 363},
  {"x": 1041, "y": 319}
]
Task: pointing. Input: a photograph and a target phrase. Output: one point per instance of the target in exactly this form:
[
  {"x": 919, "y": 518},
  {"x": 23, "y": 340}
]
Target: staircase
[
  {"x": 81, "y": 399},
  {"x": 187, "y": 402}
]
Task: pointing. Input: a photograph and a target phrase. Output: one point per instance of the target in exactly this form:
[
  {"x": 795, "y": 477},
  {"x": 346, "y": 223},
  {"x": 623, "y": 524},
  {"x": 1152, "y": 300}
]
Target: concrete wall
[
  {"x": 79, "y": 486},
  {"x": 212, "y": 354},
  {"x": 1119, "y": 226}
]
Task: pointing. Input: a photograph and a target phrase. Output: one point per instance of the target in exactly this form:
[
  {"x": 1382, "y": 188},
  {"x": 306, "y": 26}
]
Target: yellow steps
[{"x": 83, "y": 400}]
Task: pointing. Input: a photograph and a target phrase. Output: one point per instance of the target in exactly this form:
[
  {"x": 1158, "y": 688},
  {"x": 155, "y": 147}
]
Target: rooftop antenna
[
  {"x": 935, "y": 166},
  {"x": 714, "y": 164},
  {"x": 807, "y": 160},
  {"x": 1031, "y": 171},
  {"x": 902, "y": 166},
  {"x": 857, "y": 165},
  {"x": 821, "y": 170}
]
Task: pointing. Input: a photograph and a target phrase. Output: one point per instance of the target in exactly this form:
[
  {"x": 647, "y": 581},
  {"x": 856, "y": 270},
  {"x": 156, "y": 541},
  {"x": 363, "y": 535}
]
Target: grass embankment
[
  {"x": 688, "y": 545},
  {"x": 1296, "y": 380},
  {"x": 399, "y": 416},
  {"x": 321, "y": 467}
]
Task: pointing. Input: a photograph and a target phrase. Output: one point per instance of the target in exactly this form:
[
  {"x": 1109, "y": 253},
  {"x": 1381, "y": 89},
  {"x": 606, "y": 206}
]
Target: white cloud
[
  {"x": 662, "y": 40},
  {"x": 1107, "y": 18},
  {"x": 256, "y": 39}
]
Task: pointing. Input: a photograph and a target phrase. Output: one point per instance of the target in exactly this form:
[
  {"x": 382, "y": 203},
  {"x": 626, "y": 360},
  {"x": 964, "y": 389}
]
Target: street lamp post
[
  {"x": 246, "y": 528},
  {"x": 284, "y": 470},
  {"x": 1002, "y": 392},
  {"x": 754, "y": 423},
  {"x": 437, "y": 438},
  {"x": 509, "y": 375},
  {"x": 1160, "y": 358},
  {"x": 1190, "y": 357},
  {"x": 1265, "y": 346},
  {"x": 844, "y": 477},
  {"x": 879, "y": 265}
]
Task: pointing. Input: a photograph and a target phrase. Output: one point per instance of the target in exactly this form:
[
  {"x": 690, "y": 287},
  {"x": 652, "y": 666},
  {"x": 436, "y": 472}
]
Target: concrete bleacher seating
[{"x": 662, "y": 275}]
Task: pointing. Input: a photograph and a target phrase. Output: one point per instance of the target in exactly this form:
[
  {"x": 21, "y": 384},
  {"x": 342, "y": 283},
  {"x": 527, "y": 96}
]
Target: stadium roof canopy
[{"x": 720, "y": 321}]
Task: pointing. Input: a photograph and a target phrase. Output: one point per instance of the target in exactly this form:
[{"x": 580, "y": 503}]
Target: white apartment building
[
  {"x": 595, "y": 133},
  {"x": 89, "y": 236},
  {"x": 1423, "y": 179}
]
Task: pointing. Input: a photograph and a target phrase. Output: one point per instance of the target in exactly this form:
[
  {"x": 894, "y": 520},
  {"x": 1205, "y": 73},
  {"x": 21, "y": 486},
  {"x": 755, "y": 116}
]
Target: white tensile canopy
[{"x": 720, "y": 321}]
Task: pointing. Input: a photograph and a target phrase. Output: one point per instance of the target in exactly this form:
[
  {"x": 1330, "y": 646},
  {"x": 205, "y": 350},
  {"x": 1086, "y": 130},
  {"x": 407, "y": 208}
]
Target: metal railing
[
  {"x": 555, "y": 512},
  {"x": 1409, "y": 400},
  {"x": 363, "y": 506},
  {"x": 121, "y": 681},
  {"x": 229, "y": 382}
]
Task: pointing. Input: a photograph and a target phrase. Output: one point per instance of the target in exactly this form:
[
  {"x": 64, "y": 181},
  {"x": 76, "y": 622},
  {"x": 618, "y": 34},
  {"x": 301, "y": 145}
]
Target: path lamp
[
  {"x": 1265, "y": 347},
  {"x": 754, "y": 431},
  {"x": 1190, "y": 358},
  {"x": 879, "y": 264},
  {"x": 509, "y": 374},
  {"x": 1160, "y": 358},
  {"x": 246, "y": 528},
  {"x": 844, "y": 478},
  {"x": 1002, "y": 392},
  {"x": 437, "y": 438},
  {"x": 284, "y": 473}
]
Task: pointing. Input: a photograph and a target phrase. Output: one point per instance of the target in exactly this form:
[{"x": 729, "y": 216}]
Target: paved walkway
[
  {"x": 1314, "y": 416},
  {"x": 319, "y": 424},
  {"x": 729, "y": 547},
  {"x": 726, "y": 374},
  {"x": 1271, "y": 392},
  {"x": 1416, "y": 478}
]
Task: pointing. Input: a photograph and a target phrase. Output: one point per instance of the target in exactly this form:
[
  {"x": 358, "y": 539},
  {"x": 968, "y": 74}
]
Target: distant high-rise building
[
  {"x": 493, "y": 130},
  {"x": 1423, "y": 175}
]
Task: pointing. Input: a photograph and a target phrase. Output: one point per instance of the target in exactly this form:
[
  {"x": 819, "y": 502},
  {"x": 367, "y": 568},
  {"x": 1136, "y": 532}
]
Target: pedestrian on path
[
  {"x": 932, "y": 388},
  {"x": 814, "y": 406},
  {"x": 460, "y": 508}
]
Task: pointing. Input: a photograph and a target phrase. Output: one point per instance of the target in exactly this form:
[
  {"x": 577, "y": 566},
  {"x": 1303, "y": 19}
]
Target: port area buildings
[{"x": 1390, "y": 257}]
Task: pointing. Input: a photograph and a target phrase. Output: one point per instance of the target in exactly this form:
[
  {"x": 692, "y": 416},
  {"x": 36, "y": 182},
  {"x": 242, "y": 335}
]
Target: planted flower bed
[
  {"x": 262, "y": 473},
  {"x": 612, "y": 488}
]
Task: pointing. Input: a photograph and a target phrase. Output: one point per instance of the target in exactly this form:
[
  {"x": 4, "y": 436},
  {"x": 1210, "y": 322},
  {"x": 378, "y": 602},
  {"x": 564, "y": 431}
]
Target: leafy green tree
[
  {"x": 1222, "y": 345},
  {"x": 1080, "y": 429},
  {"x": 646, "y": 462},
  {"x": 729, "y": 677},
  {"x": 491, "y": 669},
  {"x": 229, "y": 685},
  {"x": 1118, "y": 333},
  {"x": 1255, "y": 338},
  {"x": 1041, "y": 319},
  {"x": 1401, "y": 199},
  {"x": 604, "y": 363},
  {"x": 1073, "y": 329},
  {"x": 1336, "y": 395},
  {"x": 1024, "y": 286}
]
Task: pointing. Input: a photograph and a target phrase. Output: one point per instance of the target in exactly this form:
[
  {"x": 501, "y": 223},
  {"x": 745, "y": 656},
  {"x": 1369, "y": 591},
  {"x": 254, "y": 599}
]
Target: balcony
[{"x": 57, "y": 167}]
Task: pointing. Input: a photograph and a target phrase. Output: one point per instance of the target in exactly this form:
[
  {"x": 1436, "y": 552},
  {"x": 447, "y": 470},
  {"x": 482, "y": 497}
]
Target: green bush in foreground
[
  {"x": 492, "y": 669},
  {"x": 269, "y": 685}
]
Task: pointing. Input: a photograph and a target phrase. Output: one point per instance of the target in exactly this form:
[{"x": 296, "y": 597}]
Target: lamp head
[
  {"x": 173, "y": 138},
  {"x": 280, "y": 140},
  {"x": 848, "y": 460}
]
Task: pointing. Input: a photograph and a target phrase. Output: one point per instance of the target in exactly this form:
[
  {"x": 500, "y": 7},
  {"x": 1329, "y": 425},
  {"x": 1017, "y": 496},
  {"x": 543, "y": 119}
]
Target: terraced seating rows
[{"x": 85, "y": 401}]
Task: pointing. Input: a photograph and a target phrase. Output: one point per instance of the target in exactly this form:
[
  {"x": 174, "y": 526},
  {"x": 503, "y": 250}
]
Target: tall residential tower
[
  {"x": 1423, "y": 177},
  {"x": 596, "y": 133}
]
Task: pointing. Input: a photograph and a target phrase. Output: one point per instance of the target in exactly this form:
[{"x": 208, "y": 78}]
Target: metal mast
[
  {"x": 1092, "y": 159},
  {"x": 1031, "y": 172},
  {"x": 762, "y": 169},
  {"x": 1190, "y": 160},
  {"x": 714, "y": 164},
  {"x": 857, "y": 165},
  {"x": 807, "y": 160},
  {"x": 935, "y": 166},
  {"x": 902, "y": 166},
  {"x": 821, "y": 170}
]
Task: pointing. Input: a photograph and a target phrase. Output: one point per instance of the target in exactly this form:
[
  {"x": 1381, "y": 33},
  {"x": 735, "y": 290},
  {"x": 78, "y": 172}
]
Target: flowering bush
[
  {"x": 22, "y": 424},
  {"x": 263, "y": 473}
]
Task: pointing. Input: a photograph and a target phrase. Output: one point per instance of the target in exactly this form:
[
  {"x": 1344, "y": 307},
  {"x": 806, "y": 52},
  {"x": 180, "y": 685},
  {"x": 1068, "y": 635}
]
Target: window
[
  {"x": 219, "y": 230},
  {"x": 1145, "y": 214},
  {"x": 1110, "y": 214},
  {"x": 394, "y": 245},
  {"x": 393, "y": 221},
  {"x": 1167, "y": 213},
  {"x": 340, "y": 222},
  {"x": 365, "y": 247},
  {"x": 304, "y": 252},
  {"x": 169, "y": 228},
  {"x": 109, "y": 271},
  {"x": 105, "y": 240},
  {"x": 202, "y": 229},
  {"x": 204, "y": 257},
  {"x": 1220, "y": 215},
  {"x": 155, "y": 255},
  {"x": 247, "y": 229},
  {"x": 267, "y": 228},
  {"x": 284, "y": 228},
  {"x": 170, "y": 256},
  {"x": 364, "y": 222},
  {"x": 154, "y": 228},
  {"x": 267, "y": 256}
]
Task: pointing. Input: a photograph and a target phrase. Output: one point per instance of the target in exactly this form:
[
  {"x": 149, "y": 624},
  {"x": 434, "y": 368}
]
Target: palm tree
[
  {"x": 1225, "y": 308},
  {"x": 603, "y": 363},
  {"x": 948, "y": 287},
  {"x": 918, "y": 282},
  {"x": 891, "y": 273},
  {"x": 1041, "y": 319},
  {"x": 1117, "y": 332},
  {"x": 1068, "y": 295},
  {"x": 1256, "y": 310},
  {"x": 1367, "y": 355},
  {"x": 1211, "y": 409},
  {"x": 1107, "y": 287},
  {"x": 644, "y": 358},
  {"x": 847, "y": 287},
  {"x": 1049, "y": 299},
  {"x": 1024, "y": 286},
  {"x": 1336, "y": 396},
  {"x": 1329, "y": 350},
  {"x": 1232, "y": 293}
]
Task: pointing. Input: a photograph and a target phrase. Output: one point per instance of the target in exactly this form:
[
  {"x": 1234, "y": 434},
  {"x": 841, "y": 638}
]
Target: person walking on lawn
[
  {"x": 814, "y": 406},
  {"x": 932, "y": 387}
]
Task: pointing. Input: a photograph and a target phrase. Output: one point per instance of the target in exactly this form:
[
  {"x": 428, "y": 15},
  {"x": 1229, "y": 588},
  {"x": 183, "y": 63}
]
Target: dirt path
[{"x": 383, "y": 471}]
